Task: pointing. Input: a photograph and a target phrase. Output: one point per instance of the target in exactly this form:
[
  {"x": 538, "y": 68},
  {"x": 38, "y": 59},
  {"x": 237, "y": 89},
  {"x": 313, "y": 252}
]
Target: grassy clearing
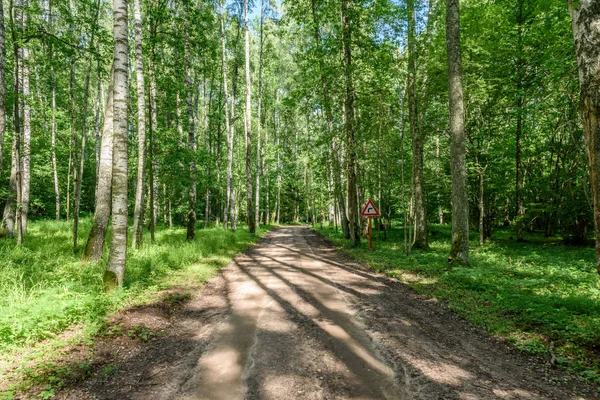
[
  {"x": 45, "y": 289},
  {"x": 538, "y": 294}
]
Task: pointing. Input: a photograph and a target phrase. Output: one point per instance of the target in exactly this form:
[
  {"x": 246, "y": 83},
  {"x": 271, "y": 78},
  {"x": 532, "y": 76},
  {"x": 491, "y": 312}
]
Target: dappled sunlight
[
  {"x": 512, "y": 393},
  {"x": 289, "y": 320},
  {"x": 439, "y": 371}
]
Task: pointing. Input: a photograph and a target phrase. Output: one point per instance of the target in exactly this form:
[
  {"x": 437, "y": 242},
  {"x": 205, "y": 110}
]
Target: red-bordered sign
[{"x": 370, "y": 210}]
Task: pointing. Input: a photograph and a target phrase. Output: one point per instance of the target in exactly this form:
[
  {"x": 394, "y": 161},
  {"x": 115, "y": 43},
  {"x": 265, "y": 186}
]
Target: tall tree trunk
[
  {"x": 351, "y": 155},
  {"x": 351, "y": 162},
  {"x": 138, "y": 213},
  {"x": 97, "y": 128},
  {"x": 191, "y": 142},
  {"x": 279, "y": 168},
  {"x": 73, "y": 156},
  {"x": 248, "y": 126},
  {"x": 259, "y": 124},
  {"x": 481, "y": 206},
  {"x": 53, "y": 144},
  {"x": 438, "y": 165},
  {"x": 53, "y": 123},
  {"x": 153, "y": 127},
  {"x": 230, "y": 183},
  {"x": 585, "y": 17},
  {"x": 209, "y": 149},
  {"x": 26, "y": 158},
  {"x": 11, "y": 220},
  {"x": 95, "y": 242},
  {"x": 459, "y": 251},
  {"x": 69, "y": 168},
  {"x": 229, "y": 130},
  {"x": 519, "y": 208},
  {"x": 115, "y": 270},
  {"x": 2, "y": 83},
  {"x": 418, "y": 183}
]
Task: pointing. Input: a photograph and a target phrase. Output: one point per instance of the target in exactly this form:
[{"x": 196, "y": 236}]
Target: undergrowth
[
  {"x": 45, "y": 288},
  {"x": 540, "y": 294}
]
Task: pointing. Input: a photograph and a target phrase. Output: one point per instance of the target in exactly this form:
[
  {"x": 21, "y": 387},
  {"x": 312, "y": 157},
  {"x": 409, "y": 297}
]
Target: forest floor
[
  {"x": 55, "y": 314},
  {"x": 293, "y": 318}
]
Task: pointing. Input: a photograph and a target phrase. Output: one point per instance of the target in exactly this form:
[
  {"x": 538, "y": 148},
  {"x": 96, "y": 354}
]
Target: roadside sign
[{"x": 370, "y": 210}]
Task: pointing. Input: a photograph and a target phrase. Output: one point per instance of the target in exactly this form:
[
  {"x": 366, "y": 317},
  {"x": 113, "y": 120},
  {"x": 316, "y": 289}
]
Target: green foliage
[
  {"x": 533, "y": 293},
  {"x": 44, "y": 287}
]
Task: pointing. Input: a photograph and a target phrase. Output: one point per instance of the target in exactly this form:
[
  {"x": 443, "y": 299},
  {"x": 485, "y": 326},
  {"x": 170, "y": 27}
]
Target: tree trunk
[
  {"x": 153, "y": 126},
  {"x": 2, "y": 83},
  {"x": 12, "y": 211},
  {"x": 351, "y": 161},
  {"x": 418, "y": 183},
  {"x": 53, "y": 143},
  {"x": 9, "y": 214},
  {"x": 10, "y": 221},
  {"x": 138, "y": 213},
  {"x": 97, "y": 130},
  {"x": 26, "y": 158},
  {"x": 115, "y": 270},
  {"x": 259, "y": 125},
  {"x": 191, "y": 142},
  {"x": 438, "y": 166},
  {"x": 459, "y": 251},
  {"x": 95, "y": 242},
  {"x": 278, "y": 197},
  {"x": 229, "y": 130},
  {"x": 209, "y": 149},
  {"x": 230, "y": 183},
  {"x": 585, "y": 17},
  {"x": 248, "y": 126},
  {"x": 481, "y": 207},
  {"x": 53, "y": 123}
]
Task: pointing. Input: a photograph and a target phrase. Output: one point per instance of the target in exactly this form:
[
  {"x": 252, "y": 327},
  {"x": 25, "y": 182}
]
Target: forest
[{"x": 140, "y": 137}]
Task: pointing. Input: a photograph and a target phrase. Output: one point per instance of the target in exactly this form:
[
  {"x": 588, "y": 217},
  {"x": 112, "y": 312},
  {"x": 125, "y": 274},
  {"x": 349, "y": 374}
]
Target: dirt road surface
[{"x": 293, "y": 319}]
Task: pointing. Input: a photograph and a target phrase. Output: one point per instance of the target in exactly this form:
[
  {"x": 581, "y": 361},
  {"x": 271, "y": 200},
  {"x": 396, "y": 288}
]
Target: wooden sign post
[{"x": 370, "y": 211}]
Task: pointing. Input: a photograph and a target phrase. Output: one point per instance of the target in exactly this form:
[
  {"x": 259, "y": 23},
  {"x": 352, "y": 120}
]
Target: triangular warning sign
[{"x": 370, "y": 210}]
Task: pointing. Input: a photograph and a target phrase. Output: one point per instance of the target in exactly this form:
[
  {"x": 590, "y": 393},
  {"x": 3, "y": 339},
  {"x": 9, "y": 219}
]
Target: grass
[
  {"x": 538, "y": 294},
  {"x": 45, "y": 289}
]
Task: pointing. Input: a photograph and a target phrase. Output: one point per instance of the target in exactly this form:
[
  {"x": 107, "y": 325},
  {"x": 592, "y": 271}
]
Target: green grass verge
[
  {"x": 45, "y": 289},
  {"x": 534, "y": 293}
]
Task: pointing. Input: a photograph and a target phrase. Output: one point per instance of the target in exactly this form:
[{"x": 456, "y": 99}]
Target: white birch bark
[
  {"x": 138, "y": 213},
  {"x": 115, "y": 270}
]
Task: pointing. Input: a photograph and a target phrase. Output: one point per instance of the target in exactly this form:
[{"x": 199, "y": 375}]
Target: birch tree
[
  {"x": 138, "y": 213},
  {"x": 2, "y": 83},
  {"x": 95, "y": 243},
  {"x": 191, "y": 140},
  {"x": 26, "y": 155},
  {"x": 248, "y": 126},
  {"x": 115, "y": 270},
  {"x": 229, "y": 130},
  {"x": 259, "y": 124}
]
